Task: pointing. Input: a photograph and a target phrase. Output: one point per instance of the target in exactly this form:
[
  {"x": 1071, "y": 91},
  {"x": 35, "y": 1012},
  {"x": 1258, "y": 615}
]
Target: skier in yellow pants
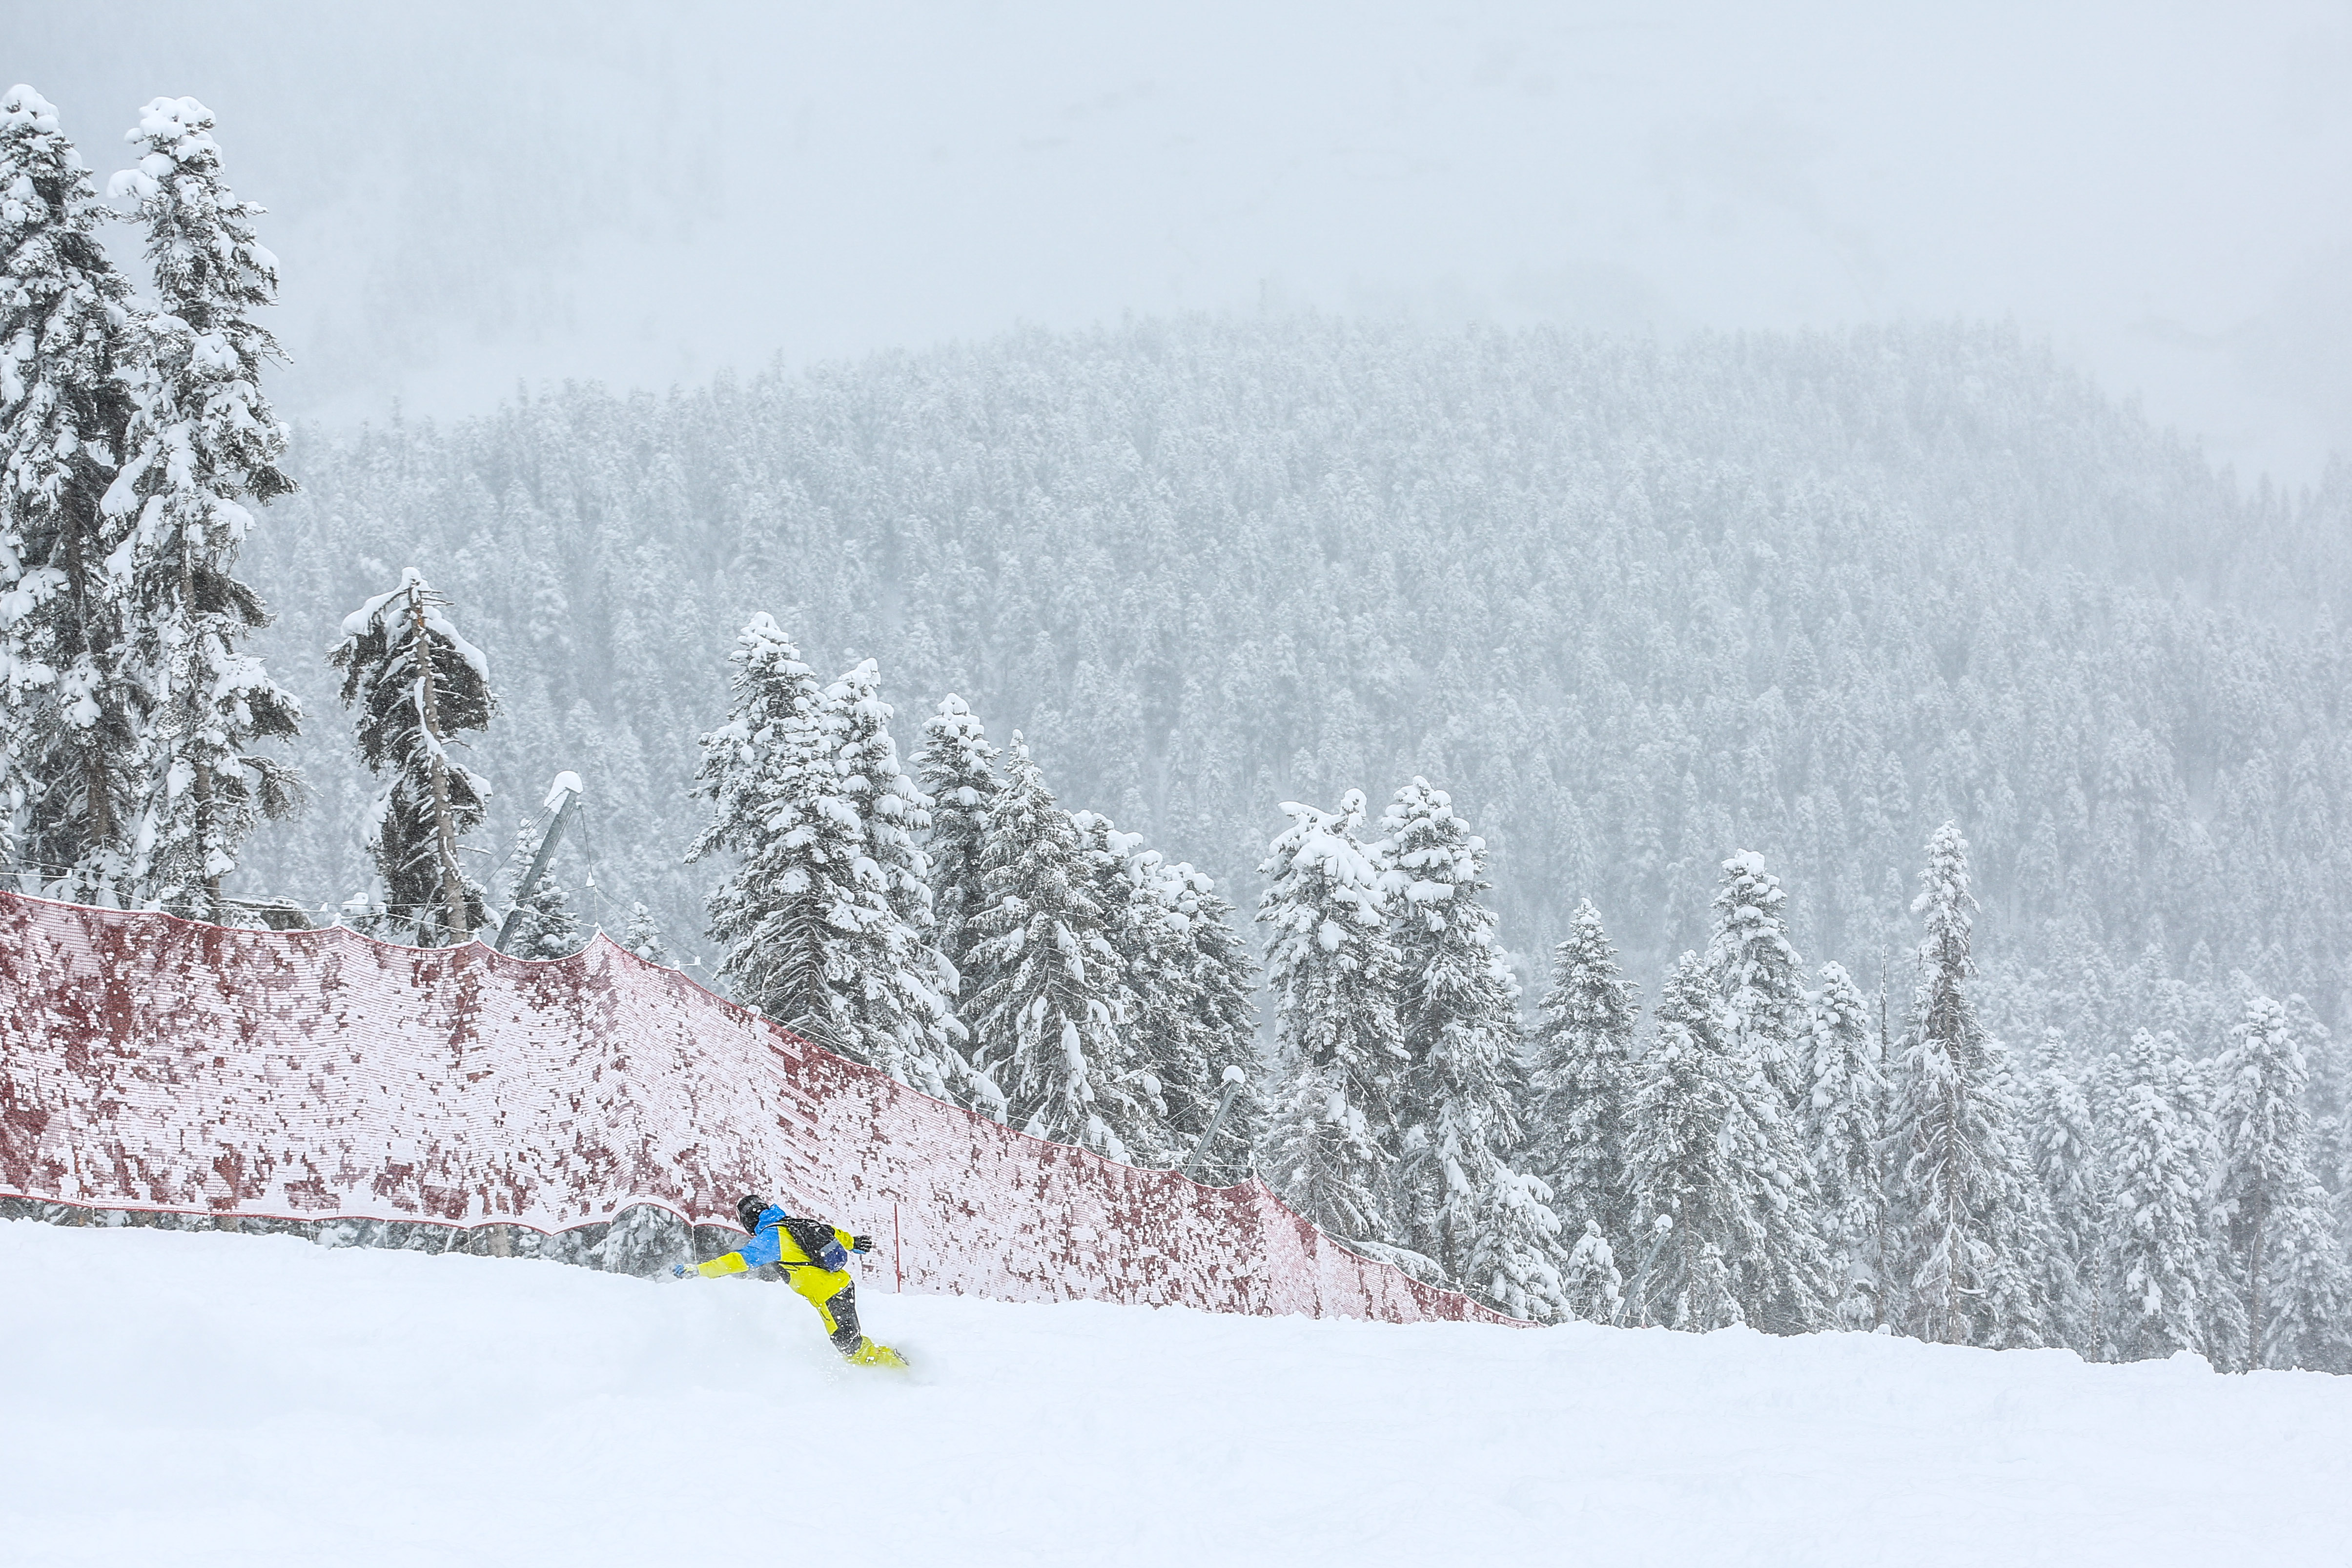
[{"x": 812, "y": 1254}]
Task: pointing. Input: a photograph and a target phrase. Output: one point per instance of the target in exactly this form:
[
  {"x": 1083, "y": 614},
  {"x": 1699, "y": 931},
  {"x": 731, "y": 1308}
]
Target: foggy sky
[{"x": 465, "y": 196}]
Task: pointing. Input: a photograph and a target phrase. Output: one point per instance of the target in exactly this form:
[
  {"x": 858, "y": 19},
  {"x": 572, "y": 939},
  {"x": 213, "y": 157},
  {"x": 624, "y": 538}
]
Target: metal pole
[
  {"x": 562, "y": 800},
  {"x": 1234, "y": 1078}
]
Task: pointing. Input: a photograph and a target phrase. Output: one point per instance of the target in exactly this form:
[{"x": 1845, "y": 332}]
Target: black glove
[{"x": 861, "y": 1244}]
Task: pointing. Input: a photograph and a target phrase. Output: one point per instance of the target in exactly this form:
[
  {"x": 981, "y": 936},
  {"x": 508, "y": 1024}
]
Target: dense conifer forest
[{"x": 1635, "y": 607}]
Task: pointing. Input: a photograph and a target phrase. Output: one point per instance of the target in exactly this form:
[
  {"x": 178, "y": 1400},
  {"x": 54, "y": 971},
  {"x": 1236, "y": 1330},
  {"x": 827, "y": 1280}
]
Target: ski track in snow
[{"x": 192, "y": 1398}]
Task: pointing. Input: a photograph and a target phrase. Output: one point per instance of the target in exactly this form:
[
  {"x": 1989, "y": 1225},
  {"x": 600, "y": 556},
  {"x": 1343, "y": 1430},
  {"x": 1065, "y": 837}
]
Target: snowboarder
[{"x": 813, "y": 1256}]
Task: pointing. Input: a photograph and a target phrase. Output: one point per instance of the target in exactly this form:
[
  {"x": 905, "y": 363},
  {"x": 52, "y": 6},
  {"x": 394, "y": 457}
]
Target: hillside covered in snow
[{"x": 1636, "y": 606}]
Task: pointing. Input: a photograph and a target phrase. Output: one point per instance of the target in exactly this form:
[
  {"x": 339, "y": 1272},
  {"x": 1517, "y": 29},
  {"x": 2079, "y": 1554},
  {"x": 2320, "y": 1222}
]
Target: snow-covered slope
[{"x": 200, "y": 1398}]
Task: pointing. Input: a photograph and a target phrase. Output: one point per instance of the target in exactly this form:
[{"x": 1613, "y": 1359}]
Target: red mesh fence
[{"x": 155, "y": 1064}]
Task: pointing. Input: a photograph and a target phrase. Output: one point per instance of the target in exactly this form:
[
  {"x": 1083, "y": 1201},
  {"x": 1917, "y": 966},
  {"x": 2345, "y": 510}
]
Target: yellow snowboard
[{"x": 870, "y": 1353}]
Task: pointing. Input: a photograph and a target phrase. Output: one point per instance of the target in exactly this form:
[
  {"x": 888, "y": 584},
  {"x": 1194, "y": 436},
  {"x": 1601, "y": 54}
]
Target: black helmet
[{"x": 749, "y": 1208}]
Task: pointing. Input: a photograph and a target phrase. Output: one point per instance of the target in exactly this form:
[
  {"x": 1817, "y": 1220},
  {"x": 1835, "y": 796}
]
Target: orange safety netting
[{"x": 155, "y": 1064}]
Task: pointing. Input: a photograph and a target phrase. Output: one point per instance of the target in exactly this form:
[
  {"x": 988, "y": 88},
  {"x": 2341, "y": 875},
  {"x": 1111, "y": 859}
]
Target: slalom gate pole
[{"x": 897, "y": 1264}]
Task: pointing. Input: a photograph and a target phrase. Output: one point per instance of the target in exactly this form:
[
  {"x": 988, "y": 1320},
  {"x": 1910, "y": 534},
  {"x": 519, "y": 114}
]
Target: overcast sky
[{"x": 464, "y": 195}]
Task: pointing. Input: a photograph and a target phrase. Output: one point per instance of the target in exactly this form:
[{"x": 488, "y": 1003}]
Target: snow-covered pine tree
[
  {"x": 1514, "y": 1259},
  {"x": 1591, "y": 1282},
  {"x": 1457, "y": 1010},
  {"x": 1123, "y": 881},
  {"x": 2062, "y": 1141},
  {"x": 1458, "y": 1199},
  {"x": 2310, "y": 1302},
  {"x": 1962, "y": 1223},
  {"x": 895, "y": 814},
  {"x": 545, "y": 923},
  {"x": 956, "y": 766},
  {"x": 202, "y": 444},
  {"x": 1678, "y": 1168},
  {"x": 1579, "y": 1063},
  {"x": 415, "y": 684},
  {"x": 643, "y": 937},
  {"x": 1333, "y": 967},
  {"x": 896, "y": 818},
  {"x": 1049, "y": 1000},
  {"x": 70, "y": 727},
  {"x": 1192, "y": 1018},
  {"x": 1843, "y": 1121},
  {"x": 2296, "y": 1297},
  {"x": 2158, "y": 1262},
  {"x": 1757, "y": 971},
  {"x": 1223, "y": 1017},
  {"x": 805, "y": 917},
  {"x": 1726, "y": 1202}
]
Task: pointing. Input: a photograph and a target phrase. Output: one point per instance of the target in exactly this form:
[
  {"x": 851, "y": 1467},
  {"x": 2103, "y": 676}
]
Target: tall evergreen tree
[
  {"x": 416, "y": 684},
  {"x": 1757, "y": 971},
  {"x": 2289, "y": 1271},
  {"x": 2157, "y": 1265},
  {"x": 895, "y": 817},
  {"x": 2149, "y": 1231},
  {"x": 895, "y": 814},
  {"x": 1051, "y": 998},
  {"x": 1962, "y": 1216},
  {"x": 2309, "y": 1302},
  {"x": 1125, "y": 882},
  {"x": 202, "y": 444},
  {"x": 1192, "y": 1015},
  {"x": 1842, "y": 1122},
  {"x": 70, "y": 727},
  {"x": 1222, "y": 1017},
  {"x": 1334, "y": 970},
  {"x": 2062, "y": 1139},
  {"x": 1457, "y": 1195},
  {"x": 1581, "y": 1065},
  {"x": 956, "y": 766},
  {"x": 811, "y": 938},
  {"x": 1718, "y": 1179}
]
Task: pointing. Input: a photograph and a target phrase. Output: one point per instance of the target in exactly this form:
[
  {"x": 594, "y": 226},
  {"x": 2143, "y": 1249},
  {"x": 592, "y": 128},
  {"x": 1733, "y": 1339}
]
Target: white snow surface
[{"x": 197, "y": 1398}]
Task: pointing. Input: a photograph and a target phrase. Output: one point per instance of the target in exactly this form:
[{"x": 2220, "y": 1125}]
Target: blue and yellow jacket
[{"x": 772, "y": 1243}]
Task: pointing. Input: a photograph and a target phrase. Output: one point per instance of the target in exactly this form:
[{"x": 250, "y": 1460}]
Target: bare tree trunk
[{"x": 453, "y": 884}]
